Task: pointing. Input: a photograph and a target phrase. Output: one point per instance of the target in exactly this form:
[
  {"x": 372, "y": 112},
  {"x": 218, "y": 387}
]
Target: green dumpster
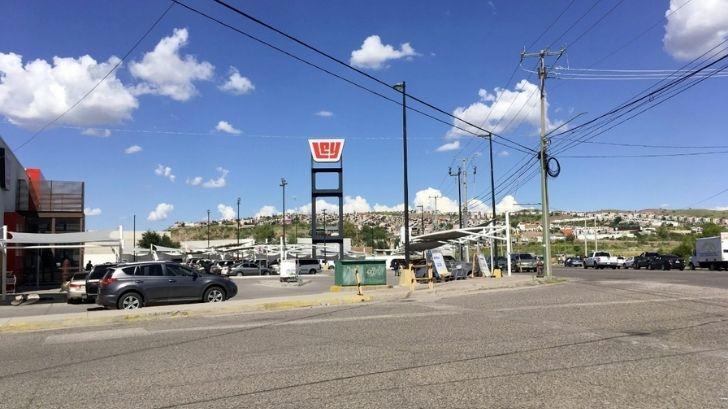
[{"x": 371, "y": 272}]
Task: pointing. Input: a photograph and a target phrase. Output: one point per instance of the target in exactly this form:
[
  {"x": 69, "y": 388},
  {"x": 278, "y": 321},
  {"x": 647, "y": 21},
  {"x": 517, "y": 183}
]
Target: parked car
[
  {"x": 248, "y": 268},
  {"x": 396, "y": 263},
  {"x": 77, "y": 288},
  {"x": 308, "y": 266},
  {"x": 222, "y": 267},
  {"x": 620, "y": 262},
  {"x": 601, "y": 259},
  {"x": 629, "y": 262},
  {"x": 644, "y": 260},
  {"x": 667, "y": 262},
  {"x": 94, "y": 277},
  {"x": 574, "y": 262},
  {"x": 502, "y": 263},
  {"x": 458, "y": 269},
  {"x": 521, "y": 262},
  {"x": 134, "y": 285}
]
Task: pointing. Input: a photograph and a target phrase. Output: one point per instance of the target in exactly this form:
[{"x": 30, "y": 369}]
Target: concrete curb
[{"x": 111, "y": 317}]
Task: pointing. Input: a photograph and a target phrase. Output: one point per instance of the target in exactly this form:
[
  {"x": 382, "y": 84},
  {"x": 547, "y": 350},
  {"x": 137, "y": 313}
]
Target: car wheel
[
  {"x": 214, "y": 294},
  {"x": 240, "y": 274},
  {"x": 130, "y": 301},
  {"x": 312, "y": 271}
]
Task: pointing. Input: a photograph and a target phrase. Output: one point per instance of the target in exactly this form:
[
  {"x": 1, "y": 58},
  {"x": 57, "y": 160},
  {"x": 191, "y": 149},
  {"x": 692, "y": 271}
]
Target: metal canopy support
[{"x": 5, "y": 262}]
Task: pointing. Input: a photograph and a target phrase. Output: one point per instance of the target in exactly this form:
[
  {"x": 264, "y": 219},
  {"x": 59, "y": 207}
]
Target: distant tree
[
  {"x": 570, "y": 238},
  {"x": 152, "y": 237},
  {"x": 711, "y": 229},
  {"x": 617, "y": 220},
  {"x": 263, "y": 233},
  {"x": 663, "y": 233}
]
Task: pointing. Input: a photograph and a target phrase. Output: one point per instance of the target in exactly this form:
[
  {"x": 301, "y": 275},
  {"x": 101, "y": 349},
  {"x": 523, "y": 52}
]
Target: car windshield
[
  {"x": 98, "y": 272},
  {"x": 525, "y": 256},
  {"x": 601, "y": 254}
]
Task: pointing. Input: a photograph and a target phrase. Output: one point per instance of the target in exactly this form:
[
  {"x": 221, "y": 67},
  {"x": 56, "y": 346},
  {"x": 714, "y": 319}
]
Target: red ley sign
[{"x": 326, "y": 150}]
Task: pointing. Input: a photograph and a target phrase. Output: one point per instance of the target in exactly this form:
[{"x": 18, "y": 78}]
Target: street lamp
[
  {"x": 402, "y": 87},
  {"x": 283, "y": 186}
]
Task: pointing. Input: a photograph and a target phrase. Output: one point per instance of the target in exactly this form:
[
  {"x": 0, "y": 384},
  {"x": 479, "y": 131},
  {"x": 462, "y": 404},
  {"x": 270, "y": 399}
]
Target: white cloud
[
  {"x": 384, "y": 208},
  {"x": 226, "y": 212},
  {"x": 165, "y": 171},
  {"x": 508, "y": 204},
  {"x": 720, "y": 208},
  {"x": 504, "y": 153},
  {"x": 102, "y": 133},
  {"x": 356, "y": 205},
  {"x": 501, "y": 111},
  {"x": 224, "y": 126},
  {"x": 195, "y": 181},
  {"x": 88, "y": 211},
  {"x": 165, "y": 72},
  {"x": 695, "y": 28},
  {"x": 426, "y": 199},
  {"x": 38, "y": 92},
  {"x": 133, "y": 149},
  {"x": 160, "y": 212},
  {"x": 449, "y": 146},
  {"x": 219, "y": 182},
  {"x": 324, "y": 114},
  {"x": 237, "y": 84},
  {"x": 373, "y": 54},
  {"x": 266, "y": 211}
]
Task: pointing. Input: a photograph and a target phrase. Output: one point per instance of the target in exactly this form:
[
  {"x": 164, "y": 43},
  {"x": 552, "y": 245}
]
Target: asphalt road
[
  {"x": 699, "y": 277},
  {"x": 625, "y": 343}
]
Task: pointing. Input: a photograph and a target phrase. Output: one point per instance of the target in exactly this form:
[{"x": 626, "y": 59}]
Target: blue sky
[{"x": 169, "y": 102}]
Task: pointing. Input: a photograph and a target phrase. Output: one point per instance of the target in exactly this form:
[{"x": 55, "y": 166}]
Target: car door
[
  {"x": 151, "y": 280},
  {"x": 184, "y": 284},
  {"x": 250, "y": 269}
]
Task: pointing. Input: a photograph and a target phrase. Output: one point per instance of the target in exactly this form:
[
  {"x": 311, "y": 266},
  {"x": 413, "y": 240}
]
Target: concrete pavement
[{"x": 596, "y": 344}]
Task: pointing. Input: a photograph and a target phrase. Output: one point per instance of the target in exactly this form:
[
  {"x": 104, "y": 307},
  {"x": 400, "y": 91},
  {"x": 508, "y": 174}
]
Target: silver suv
[{"x": 308, "y": 266}]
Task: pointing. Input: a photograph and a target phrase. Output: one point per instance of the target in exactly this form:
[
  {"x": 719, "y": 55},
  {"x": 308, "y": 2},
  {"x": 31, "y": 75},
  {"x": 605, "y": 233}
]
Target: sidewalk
[{"x": 346, "y": 295}]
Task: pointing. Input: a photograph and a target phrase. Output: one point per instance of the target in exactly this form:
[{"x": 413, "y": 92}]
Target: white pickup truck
[{"x": 601, "y": 259}]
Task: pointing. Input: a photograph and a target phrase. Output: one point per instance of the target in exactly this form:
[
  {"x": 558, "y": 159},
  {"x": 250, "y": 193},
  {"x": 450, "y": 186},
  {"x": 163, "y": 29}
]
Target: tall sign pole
[
  {"x": 542, "y": 74},
  {"x": 283, "y": 186}
]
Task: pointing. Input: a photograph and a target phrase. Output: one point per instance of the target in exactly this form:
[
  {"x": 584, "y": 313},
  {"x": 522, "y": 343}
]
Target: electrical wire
[
  {"x": 340, "y": 77},
  {"x": 365, "y": 74},
  {"x": 647, "y": 155},
  {"x": 90, "y": 91}
]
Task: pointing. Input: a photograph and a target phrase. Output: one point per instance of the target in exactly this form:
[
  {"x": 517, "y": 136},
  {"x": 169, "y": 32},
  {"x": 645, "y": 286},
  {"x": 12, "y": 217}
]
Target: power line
[
  {"x": 515, "y": 145},
  {"x": 133, "y": 47},
  {"x": 646, "y": 155},
  {"x": 590, "y": 28},
  {"x": 367, "y": 75},
  {"x": 574, "y": 24},
  {"x": 709, "y": 197}
]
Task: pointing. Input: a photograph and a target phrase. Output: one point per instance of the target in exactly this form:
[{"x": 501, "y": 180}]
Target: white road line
[
  {"x": 137, "y": 332},
  {"x": 96, "y": 335},
  {"x": 603, "y": 303}
]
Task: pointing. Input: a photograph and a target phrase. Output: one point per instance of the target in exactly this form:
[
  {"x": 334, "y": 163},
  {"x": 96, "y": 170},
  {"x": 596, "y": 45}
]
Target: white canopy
[{"x": 63, "y": 238}]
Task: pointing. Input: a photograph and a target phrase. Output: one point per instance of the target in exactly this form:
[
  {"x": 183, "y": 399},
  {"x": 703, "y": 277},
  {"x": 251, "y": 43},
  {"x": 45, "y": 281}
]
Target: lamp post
[
  {"x": 325, "y": 235},
  {"x": 283, "y": 186},
  {"x": 238, "y": 233},
  {"x": 133, "y": 244},
  {"x": 208, "y": 230},
  {"x": 402, "y": 87}
]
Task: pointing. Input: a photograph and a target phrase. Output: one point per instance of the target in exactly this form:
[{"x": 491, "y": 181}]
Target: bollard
[{"x": 430, "y": 284}]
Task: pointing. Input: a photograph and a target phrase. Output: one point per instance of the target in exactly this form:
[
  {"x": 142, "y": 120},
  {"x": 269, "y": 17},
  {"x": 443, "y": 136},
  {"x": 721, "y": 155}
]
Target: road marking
[
  {"x": 95, "y": 336},
  {"x": 603, "y": 303}
]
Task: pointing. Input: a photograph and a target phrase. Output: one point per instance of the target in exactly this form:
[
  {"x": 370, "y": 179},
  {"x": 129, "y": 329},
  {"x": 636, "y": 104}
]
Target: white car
[{"x": 76, "y": 291}]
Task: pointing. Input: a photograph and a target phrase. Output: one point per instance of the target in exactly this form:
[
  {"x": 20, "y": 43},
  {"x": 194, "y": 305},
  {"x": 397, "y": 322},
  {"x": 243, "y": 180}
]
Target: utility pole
[
  {"x": 133, "y": 247},
  {"x": 402, "y": 87},
  {"x": 422, "y": 225},
  {"x": 283, "y": 186},
  {"x": 208, "y": 230},
  {"x": 494, "y": 243},
  {"x": 460, "y": 203},
  {"x": 542, "y": 74},
  {"x": 238, "y": 233},
  {"x": 434, "y": 219}
]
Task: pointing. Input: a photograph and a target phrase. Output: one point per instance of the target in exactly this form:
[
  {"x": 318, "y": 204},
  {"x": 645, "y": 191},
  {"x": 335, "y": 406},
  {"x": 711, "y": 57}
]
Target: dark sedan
[
  {"x": 134, "y": 285},
  {"x": 667, "y": 262}
]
